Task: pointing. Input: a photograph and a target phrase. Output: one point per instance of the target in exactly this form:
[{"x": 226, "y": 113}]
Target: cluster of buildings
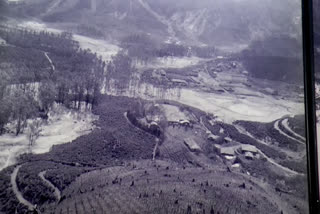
[{"x": 230, "y": 152}]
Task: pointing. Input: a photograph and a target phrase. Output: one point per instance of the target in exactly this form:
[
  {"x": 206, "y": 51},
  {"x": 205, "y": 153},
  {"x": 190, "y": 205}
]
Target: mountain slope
[{"x": 219, "y": 23}]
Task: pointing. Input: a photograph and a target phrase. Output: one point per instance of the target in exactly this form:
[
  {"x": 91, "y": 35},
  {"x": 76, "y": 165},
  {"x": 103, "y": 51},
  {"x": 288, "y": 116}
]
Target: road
[
  {"x": 264, "y": 155},
  {"x": 57, "y": 192},
  {"x": 276, "y": 126},
  {"x": 16, "y": 190},
  {"x": 287, "y": 127},
  {"x": 51, "y": 63}
]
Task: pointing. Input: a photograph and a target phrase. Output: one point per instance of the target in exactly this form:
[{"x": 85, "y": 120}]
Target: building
[
  {"x": 212, "y": 137},
  {"x": 184, "y": 122},
  {"x": 159, "y": 73},
  {"x": 249, "y": 148},
  {"x": 249, "y": 155},
  {"x": 227, "y": 151},
  {"x": 179, "y": 81},
  {"x": 162, "y": 72},
  {"x": 249, "y": 151},
  {"x": 2, "y": 41},
  {"x": 192, "y": 145}
]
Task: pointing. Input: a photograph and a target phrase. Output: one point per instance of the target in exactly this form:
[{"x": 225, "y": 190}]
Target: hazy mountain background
[
  {"x": 269, "y": 32},
  {"x": 220, "y": 23}
]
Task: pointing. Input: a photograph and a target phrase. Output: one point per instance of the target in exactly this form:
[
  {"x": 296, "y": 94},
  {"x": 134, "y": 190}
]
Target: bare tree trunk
[
  {"x": 79, "y": 99},
  {"x": 18, "y": 128}
]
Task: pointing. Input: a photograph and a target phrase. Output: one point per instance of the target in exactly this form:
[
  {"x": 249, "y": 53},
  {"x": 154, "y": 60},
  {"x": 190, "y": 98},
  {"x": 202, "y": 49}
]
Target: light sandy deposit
[
  {"x": 173, "y": 113},
  {"x": 228, "y": 107},
  {"x": 171, "y": 62},
  {"x": 63, "y": 126},
  {"x": 103, "y": 48}
]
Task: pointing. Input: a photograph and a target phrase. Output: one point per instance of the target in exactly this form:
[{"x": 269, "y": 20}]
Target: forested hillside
[{"x": 39, "y": 68}]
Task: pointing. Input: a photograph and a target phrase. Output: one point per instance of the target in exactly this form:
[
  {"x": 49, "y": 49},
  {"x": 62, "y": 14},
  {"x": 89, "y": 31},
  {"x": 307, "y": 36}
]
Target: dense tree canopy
[{"x": 40, "y": 68}]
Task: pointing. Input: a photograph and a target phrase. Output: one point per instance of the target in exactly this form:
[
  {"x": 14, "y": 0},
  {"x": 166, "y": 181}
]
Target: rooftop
[
  {"x": 191, "y": 144},
  {"x": 228, "y": 150},
  {"x": 249, "y": 148}
]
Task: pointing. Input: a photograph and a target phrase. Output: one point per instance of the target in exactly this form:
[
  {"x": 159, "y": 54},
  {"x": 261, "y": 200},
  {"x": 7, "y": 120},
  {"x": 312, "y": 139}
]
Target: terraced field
[{"x": 164, "y": 187}]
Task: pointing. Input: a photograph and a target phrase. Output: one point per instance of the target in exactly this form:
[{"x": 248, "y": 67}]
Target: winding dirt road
[
  {"x": 276, "y": 126},
  {"x": 285, "y": 124},
  {"x": 51, "y": 63},
  {"x": 16, "y": 191},
  {"x": 57, "y": 192}
]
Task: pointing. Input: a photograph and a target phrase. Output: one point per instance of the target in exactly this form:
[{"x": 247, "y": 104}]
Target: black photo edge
[{"x": 310, "y": 111}]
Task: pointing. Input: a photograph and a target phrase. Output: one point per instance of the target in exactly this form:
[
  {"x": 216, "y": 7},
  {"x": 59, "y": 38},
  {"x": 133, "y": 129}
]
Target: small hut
[
  {"x": 192, "y": 145},
  {"x": 212, "y": 137},
  {"x": 249, "y": 151},
  {"x": 248, "y": 155},
  {"x": 2, "y": 41}
]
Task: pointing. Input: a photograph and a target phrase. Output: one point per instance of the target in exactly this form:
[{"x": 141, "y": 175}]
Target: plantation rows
[
  {"x": 192, "y": 188},
  {"x": 175, "y": 151}
]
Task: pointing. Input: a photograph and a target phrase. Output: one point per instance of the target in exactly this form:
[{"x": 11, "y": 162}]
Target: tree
[
  {"x": 120, "y": 69},
  {"x": 4, "y": 114},
  {"x": 140, "y": 47},
  {"x": 66, "y": 35},
  {"x": 4, "y": 107},
  {"x": 3, "y": 7},
  {"x": 23, "y": 107},
  {"x": 34, "y": 131},
  {"x": 189, "y": 211},
  {"x": 4, "y": 81},
  {"x": 211, "y": 210},
  {"x": 47, "y": 95},
  {"x": 77, "y": 77}
]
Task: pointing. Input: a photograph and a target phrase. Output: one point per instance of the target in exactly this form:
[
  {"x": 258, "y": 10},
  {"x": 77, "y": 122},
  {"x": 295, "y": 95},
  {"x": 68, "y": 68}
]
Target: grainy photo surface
[{"x": 152, "y": 106}]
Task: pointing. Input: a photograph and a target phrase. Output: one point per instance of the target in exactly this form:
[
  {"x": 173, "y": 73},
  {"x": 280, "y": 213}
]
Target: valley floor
[{"x": 111, "y": 169}]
